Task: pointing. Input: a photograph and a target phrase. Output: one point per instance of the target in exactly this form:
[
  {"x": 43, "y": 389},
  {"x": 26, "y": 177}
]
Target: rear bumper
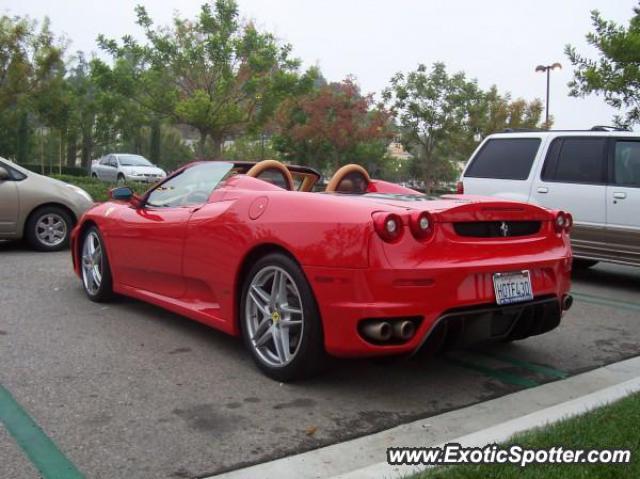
[{"x": 346, "y": 297}]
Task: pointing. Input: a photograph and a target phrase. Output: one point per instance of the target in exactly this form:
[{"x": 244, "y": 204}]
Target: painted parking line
[
  {"x": 503, "y": 376},
  {"x": 599, "y": 300},
  {"x": 37, "y": 446},
  {"x": 534, "y": 367}
]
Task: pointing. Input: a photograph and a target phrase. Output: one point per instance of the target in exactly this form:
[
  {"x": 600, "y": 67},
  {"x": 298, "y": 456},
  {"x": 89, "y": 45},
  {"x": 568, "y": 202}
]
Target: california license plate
[{"x": 513, "y": 287}]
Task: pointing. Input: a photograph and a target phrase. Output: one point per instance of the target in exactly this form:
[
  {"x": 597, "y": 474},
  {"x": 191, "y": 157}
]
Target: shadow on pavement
[{"x": 608, "y": 275}]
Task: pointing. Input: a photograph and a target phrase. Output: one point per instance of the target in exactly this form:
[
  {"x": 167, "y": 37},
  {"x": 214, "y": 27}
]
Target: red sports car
[{"x": 365, "y": 268}]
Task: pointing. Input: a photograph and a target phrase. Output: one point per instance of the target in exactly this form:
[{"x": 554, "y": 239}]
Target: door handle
[
  {"x": 619, "y": 195},
  {"x": 542, "y": 189}
]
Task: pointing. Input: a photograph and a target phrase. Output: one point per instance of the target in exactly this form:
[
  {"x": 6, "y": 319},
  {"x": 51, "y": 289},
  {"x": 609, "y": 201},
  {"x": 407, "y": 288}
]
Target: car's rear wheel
[
  {"x": 121, "y": 179},
  {"x": 93, "y": 175},
  {"x": 280, "y": 322},
  {"x": 48, "y": 228},
  {"x": 96, "y": 272}
]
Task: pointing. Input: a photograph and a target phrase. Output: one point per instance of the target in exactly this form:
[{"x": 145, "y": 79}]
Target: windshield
[
  {"x": 133, "y": 160},
  {"x": 193, "y": 186}
]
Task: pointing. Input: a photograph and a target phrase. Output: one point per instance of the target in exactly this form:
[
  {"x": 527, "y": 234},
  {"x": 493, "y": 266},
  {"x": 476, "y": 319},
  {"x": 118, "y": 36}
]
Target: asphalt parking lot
[{"x": 127, "y": 390}]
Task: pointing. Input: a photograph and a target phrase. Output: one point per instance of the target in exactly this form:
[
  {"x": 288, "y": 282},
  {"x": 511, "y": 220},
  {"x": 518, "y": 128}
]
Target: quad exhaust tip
[
  {"x": 382, "y": 331},
  {"x": 403, "y": 330},
  {"x": 378, "y": 330}
]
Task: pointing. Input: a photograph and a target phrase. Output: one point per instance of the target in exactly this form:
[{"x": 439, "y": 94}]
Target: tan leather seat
[
  {"x": 350, "y": 178},
  {"x": 266, "y": 165}
]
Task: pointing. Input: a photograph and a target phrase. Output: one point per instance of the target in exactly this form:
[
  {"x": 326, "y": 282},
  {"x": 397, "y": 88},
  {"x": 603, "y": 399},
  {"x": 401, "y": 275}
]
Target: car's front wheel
[
  {"x": 48, "y": 228},
  {"x": 96, "y": 272},
  {"x": 280, "y": 322}
]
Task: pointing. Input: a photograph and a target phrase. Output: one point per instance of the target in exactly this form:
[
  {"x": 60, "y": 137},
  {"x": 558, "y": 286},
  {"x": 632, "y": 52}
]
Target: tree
[
  {"x": 332, "y": 125},
  {"x": 31, "y": 68},
  {"x": 215, "y": 73},
  {"x": 433, "y": 109},
  {"x": 616, "y": 73},
  {"x": 497, "y": 112}
]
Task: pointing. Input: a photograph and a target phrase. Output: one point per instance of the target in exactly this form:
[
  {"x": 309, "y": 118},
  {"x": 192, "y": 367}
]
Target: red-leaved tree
[{"x": 333, "y": 125}]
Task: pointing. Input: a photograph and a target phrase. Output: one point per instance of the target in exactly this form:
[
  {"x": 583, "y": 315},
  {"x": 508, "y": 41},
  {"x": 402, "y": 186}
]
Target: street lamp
[{"x": 547, "y": 68}]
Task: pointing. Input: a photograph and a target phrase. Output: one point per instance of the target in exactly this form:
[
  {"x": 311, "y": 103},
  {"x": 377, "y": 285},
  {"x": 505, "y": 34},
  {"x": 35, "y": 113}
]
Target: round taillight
[
  {"x": 391, "y": 225},
  {"x": 421, "y": 225},
  {"x": 388, "y": 226},
  {"x": 569, "y": 222},
  {"x": 561, "y": 221}
]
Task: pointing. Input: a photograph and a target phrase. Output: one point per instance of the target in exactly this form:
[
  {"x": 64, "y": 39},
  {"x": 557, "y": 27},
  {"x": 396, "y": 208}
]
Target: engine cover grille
[{"x": 496, "y": 229}]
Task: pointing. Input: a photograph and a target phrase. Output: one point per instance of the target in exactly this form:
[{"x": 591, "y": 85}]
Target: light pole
[{"x": 547, "y": 68}]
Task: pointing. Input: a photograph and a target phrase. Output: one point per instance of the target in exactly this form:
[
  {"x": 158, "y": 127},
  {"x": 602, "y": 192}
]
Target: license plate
[{"x": 512, "y": 287}]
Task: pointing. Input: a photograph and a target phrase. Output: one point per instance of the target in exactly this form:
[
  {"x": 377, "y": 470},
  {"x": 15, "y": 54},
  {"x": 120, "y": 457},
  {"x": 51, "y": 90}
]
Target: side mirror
[
  {"x": 4, "y": 174},
  {"x": 122, "y": 193}
]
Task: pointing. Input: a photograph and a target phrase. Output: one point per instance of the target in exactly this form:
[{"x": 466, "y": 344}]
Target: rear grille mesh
[{"x": 496, "y": 229}]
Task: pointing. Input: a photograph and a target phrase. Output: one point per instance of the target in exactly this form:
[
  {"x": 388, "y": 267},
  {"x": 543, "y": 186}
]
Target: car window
[
  {"x": 626, "y": 164},
  {"x": 191, "y": 187},
  {"x": 504, "y": 158},
  {"x": 113, "y": 162},
  {"x": 14, "y": 174},
  {"x": 576, "y": 160},
  {"x": 133, "y": 160},
  {"x": 104, "y": 160}
]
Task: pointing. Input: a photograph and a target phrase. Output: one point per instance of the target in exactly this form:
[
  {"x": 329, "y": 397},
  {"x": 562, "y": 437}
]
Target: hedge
[{"x": 99, "y": 190}]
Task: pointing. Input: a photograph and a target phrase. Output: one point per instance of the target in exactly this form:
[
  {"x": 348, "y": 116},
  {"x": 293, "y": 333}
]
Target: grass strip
[{"x": 614, "y": 426}]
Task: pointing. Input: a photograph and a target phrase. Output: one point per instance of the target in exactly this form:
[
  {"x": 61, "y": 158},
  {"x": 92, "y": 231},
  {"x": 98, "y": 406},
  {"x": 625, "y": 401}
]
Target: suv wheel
[{"x": 579, "y": 263}]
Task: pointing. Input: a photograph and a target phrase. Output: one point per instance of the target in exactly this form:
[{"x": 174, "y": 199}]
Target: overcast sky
[{"x": 496, "y": 42}]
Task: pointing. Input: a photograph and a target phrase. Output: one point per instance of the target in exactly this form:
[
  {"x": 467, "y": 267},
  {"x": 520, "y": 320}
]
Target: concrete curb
[{"x": 484, "y": 423}]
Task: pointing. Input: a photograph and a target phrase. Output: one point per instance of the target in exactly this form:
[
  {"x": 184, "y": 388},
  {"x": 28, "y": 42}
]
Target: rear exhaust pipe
[
  {"x": 377, "y": 330},
  {"x": 567, "y": 302},
  {"x": 404, "y": 330}
]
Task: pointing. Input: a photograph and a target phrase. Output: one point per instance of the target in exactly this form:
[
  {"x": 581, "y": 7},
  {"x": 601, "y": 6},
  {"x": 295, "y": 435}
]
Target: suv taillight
[{"x": 460, "y": 188}]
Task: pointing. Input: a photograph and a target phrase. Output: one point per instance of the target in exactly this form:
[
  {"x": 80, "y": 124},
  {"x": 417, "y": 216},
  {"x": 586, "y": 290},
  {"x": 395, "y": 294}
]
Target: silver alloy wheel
[
  {"x": 92, "y": 263},
  {"x": 51, "y": 229},
  {"x": 273, "y": 316}
]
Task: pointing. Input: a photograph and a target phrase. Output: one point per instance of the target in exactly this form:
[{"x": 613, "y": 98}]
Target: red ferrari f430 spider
[{"x": 364, "y": 268}]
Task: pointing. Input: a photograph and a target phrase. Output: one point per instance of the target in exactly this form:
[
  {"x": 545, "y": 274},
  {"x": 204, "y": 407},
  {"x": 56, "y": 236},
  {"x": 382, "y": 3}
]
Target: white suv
[{"x": 594, "y": 175}]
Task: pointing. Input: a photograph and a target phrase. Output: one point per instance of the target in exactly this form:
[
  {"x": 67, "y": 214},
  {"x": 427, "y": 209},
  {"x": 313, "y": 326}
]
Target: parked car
[
  {"x": 41, "y": 209},
  {"x": 365, "y": 268},
  {"x": 594, "y": 175},
  {"x": 121, "y": 167}
]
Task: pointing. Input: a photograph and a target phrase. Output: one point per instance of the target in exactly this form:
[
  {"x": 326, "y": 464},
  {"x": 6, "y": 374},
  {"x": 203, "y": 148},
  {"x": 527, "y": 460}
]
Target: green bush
[{"x": 99, "y": 190}]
